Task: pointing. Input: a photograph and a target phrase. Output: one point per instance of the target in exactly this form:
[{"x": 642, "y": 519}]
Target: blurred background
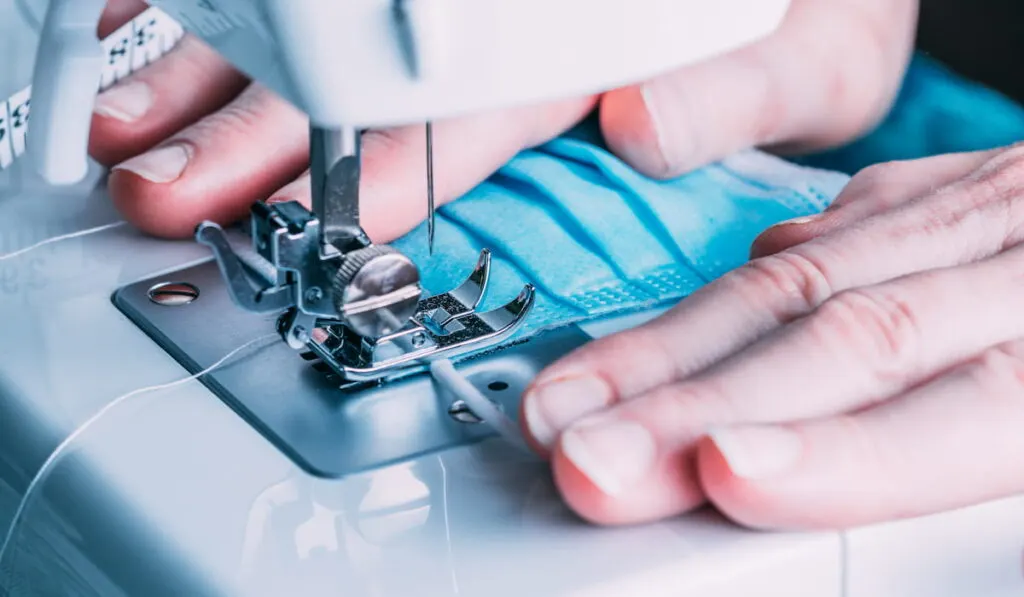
[{"x": 980, "y": 39}]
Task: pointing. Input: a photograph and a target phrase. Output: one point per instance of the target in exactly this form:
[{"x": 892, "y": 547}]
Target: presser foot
[
  {"x": 358, "y": 310},
  {"x": 444, "y": 326}
]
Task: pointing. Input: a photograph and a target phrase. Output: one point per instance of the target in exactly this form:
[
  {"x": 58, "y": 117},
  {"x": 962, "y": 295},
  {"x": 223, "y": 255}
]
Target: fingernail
[
  {"x": 799, "y": 221},
  {"x": 679, "y": 139},
  {"x": 552, "y": 407},
  {"x": 758, "y": 452},
  {"x": 161, "y": 165},
  {"x": 126, "y": 102},
  {"x": 649, "y": 95},
  {"x": 613, "y": 455}
]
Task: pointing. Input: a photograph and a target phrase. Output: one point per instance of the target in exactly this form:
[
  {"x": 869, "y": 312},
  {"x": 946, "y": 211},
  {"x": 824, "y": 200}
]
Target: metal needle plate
[{"x": 297, "y": 403}]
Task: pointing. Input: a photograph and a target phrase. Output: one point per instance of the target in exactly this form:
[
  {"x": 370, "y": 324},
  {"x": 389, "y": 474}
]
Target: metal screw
[
  {"x": 301, "y": 334},
  {"x": 419, "y": 339},
  {"x": 173, "y": 294},
  {"x": 314, "y": 294},
  {"x": 459, "y": 411}
]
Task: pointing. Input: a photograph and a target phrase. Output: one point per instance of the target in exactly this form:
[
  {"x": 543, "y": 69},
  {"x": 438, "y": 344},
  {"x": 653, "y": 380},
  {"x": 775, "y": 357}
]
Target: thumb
[{"x": 828, "y": 74}]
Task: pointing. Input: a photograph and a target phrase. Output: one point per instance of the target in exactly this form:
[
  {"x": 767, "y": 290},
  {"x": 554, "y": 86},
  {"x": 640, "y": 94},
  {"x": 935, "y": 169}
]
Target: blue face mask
[{"x": 597, "y": 239}]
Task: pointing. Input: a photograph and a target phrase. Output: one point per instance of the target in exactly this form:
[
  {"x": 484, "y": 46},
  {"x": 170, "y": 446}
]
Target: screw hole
[
  {"x": 460, "y": 411},
  {"x": 173, "y": 294},
  {"x": 497, "y": 386}
]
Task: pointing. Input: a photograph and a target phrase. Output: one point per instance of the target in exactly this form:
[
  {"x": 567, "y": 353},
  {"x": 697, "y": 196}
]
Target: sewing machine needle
[{"x": 430, "y": 189}]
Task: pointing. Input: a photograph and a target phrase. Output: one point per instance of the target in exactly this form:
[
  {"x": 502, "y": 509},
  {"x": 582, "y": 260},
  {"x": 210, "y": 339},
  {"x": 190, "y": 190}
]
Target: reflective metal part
[
  {"x": 239, "y": 283},
  {"x": 173, "y": 294},
  {"x": 430, "y": 189},
  {"x": 334, "y": 174},
  {"x": 377, "y": 290},
  {"x": 444, "y": 326},
  {"x": 357, "y": 305},
  {"x": 297, "y": 328},
  {"x": 371, "y": 322}
]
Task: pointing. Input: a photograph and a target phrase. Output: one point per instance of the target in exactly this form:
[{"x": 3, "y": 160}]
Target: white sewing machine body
[
  {"x": 365, "y": 63},
  {"x": 174, "y": 493}
]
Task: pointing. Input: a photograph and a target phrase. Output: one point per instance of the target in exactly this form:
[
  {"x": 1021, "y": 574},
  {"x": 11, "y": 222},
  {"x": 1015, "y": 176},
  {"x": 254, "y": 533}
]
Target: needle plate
[{"x": 301, "y": 405}]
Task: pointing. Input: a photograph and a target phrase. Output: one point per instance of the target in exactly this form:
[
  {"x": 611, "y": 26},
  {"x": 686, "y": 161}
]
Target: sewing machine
[{"x": 332, "y": 465}]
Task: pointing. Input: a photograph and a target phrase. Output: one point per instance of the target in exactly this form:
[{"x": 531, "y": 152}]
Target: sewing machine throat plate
[{"x": 300, "y": 405}]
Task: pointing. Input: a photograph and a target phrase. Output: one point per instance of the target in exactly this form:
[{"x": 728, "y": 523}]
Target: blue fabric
[
  {"x": 597, "y": 238},
  {"x": 937, "y": 112}
]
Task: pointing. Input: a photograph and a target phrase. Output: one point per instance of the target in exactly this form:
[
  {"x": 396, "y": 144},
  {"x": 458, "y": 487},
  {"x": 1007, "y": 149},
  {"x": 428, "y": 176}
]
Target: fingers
[
  {"x": 857, "y": 349},
  {"x": 826, "y": 75},
  {"x": 872, "y": 191},
  {"x": 160, "y": 100},
  {"x": 117, "y": 13},
  {"x": 882, "y": 339},
  {"x": 950, "y": 227},
  {"x": 393, "y": 187},
  {"x": 256, "y": 147},
  {"x": 214, "y": 169},
  {"x": 951, "y": 443}
]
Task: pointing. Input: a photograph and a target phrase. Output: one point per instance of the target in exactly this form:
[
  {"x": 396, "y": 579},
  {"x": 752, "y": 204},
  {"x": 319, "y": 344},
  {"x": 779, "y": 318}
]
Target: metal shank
[{"x": 334, "y": 160}]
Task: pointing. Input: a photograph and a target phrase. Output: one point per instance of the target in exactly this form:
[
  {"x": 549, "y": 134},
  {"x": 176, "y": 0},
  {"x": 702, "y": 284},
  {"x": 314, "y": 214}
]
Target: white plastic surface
[
  {"x": 342, "y": 62},
  {"x": 65, "y": 81},
  {"x": 977, "y": 551}
]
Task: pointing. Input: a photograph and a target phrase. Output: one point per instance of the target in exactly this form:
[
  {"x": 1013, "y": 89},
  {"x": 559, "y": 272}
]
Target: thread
[
  {"x": 447, "y": 526},
  {"x": 444, "y": 373},
  {"x": 78, "y": 431},
  {"x": 59, "y": 238}
]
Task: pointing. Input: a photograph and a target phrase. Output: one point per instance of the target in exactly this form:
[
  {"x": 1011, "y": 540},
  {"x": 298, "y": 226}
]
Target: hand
[
  {"x": 190, "y": 138},
  {"x": 827, "y": 75},
  {"x": 869, "y": 365}
]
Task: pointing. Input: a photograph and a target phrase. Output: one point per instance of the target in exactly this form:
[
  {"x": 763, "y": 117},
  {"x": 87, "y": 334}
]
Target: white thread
[
  {"x": 61, "y": 447},
  {"x": 59, "y": 238},
  {"x": 447, "y": 525},
  {"x": 444, "y": 373}
]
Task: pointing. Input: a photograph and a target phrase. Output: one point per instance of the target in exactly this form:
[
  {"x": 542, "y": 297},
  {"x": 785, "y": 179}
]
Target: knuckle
[
  {"x": 999, "y": 372},
  {"x": 194, "y": 61},
  {"x": 874, "y": 328},
  {"x": 1004, "y": 172},
  {"x": 879, "y": 182},
  {"x": 801, "y": 281},
  {"x": 692, "y": 408},
  {"x": 878, "y": 175},
  {"x": 998, "y": 186},
  {"x": 246, "y": 112}
]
